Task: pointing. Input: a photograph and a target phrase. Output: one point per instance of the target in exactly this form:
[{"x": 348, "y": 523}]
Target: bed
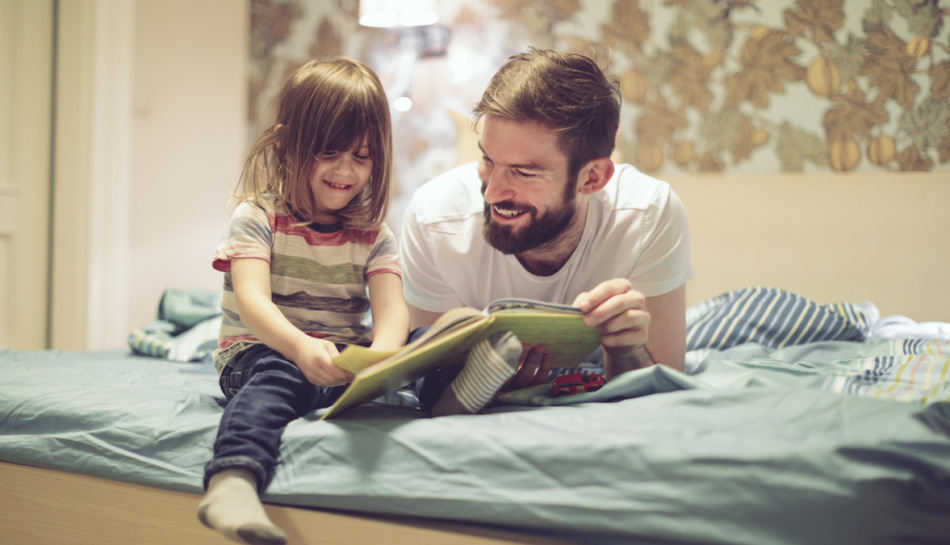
[
  {"x": 788, "y": 436},
  {"x": 817, "y": 437}
]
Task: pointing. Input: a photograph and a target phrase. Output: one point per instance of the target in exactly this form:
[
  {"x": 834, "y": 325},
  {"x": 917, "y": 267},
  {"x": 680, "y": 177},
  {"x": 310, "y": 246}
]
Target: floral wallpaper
[{"x": 742, "y": 86}]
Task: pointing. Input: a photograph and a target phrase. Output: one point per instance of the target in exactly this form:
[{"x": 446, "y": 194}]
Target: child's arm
[
  {"x": 252, "y": 290},
  {"x": 390, "y": 315}
]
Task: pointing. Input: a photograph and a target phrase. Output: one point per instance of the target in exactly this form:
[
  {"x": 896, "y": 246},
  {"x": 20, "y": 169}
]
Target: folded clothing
[{"x": 186, "y": 327}]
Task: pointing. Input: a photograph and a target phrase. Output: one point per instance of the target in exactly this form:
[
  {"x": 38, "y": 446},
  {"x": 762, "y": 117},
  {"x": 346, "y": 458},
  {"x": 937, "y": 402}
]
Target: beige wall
[
  {"x": 876, "y": 237},
  {"x": 188, "y": 136}
]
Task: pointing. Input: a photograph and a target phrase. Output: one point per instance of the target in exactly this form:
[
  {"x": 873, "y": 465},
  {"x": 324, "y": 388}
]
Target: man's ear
[{"x": 595, "y": 175}]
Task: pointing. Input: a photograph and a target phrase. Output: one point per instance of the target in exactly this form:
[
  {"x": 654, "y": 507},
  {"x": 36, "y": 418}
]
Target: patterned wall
[{"x": 709, "y": 85}]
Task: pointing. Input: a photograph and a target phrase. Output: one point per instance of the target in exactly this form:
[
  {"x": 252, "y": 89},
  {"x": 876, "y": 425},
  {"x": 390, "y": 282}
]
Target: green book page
[
  {"x": 356, "y": 358},
  {"x": 564, "y": 335}
]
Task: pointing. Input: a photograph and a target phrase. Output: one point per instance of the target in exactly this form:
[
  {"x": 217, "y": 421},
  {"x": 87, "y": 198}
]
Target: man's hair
[
  {"x": 567, "y": 93},
  {"x": 325, "y": 105}
]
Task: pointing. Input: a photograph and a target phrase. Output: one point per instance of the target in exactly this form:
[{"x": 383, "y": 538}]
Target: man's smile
[{"x": 507, "y": 213}]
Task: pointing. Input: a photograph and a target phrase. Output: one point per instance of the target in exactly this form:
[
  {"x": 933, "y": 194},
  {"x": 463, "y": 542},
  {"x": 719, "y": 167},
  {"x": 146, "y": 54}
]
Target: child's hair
[{"x": 325, "y": 105}]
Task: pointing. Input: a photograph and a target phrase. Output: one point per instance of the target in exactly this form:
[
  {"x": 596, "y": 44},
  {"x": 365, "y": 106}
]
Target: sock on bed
[
  {"x": 490, "y": 363},
  {"x": 231, "y": 506}
]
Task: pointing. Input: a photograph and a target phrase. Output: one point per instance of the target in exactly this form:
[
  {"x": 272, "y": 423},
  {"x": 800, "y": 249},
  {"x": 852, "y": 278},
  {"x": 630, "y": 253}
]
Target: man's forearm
[{"x": 638, "y": 359}]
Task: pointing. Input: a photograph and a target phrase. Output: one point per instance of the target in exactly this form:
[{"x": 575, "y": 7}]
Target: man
[{"x": 545, "y": 214}]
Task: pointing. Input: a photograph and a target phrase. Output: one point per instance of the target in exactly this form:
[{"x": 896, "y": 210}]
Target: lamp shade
[{"x": 397, "y": 13}]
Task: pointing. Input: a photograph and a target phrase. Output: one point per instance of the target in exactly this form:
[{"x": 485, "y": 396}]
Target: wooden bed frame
[
  {"x": 830, "y": 238},
  {"x": 42, "y": 506}
]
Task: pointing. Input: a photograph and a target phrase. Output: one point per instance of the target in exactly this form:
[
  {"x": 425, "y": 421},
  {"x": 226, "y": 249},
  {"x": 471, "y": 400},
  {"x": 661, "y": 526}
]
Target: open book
[{"x": 558, "y": 328}]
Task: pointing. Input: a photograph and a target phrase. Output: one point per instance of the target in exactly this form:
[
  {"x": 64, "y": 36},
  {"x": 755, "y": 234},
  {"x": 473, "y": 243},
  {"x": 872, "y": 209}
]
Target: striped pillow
[{"x": 771, "y": 317}]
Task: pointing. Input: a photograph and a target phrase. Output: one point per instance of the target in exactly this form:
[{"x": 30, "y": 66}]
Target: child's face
[{"x": 338, "y": 177}]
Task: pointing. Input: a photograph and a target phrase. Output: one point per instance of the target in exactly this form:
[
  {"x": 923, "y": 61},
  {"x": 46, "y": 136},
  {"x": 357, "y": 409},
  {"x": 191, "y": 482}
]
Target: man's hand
[
  {"x": 534, "y": 366},
  {"x": 315, "y": 359},
  {"x": 619, "y": 313}
]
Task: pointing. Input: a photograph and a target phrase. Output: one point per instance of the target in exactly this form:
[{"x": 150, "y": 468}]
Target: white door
[{"x": 26, "y": 31}]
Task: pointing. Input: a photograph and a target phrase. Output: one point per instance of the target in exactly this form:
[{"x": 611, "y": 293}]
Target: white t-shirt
[{"x": 636, "y": 229}]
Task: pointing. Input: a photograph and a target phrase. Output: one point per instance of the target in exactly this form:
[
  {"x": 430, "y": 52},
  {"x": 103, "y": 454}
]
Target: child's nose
[{"x": 345, "y": 164}]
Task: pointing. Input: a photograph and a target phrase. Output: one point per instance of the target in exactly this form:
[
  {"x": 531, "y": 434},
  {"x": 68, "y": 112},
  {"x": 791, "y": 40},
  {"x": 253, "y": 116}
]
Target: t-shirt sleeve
[
  {"x": 384, "y": 258},
  {"x": 424, "y": 286},
  {"x": 249, "y": 235},
  {"x": 664, "y": 263}
]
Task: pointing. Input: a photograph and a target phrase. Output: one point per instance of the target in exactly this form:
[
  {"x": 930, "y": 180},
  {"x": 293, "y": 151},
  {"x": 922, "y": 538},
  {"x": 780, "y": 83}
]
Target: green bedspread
[{"x": 834, "y": 442}]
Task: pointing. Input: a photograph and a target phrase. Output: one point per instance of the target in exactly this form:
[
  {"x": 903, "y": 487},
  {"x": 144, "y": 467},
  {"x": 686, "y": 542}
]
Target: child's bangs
[{"x": 349, "y": 124}]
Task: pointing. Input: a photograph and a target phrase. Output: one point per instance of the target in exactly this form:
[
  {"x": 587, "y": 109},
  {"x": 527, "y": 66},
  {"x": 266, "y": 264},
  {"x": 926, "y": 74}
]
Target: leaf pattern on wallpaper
[
  {"x": 853, "y": 115},
  {"x": 910, "y": 160},
  {"x": 271, "y": 24},
  {"x": 712, "y": 20},
  {"x": 721, "y": 129},
  {"x": 890, "y": 67},
  {"x": 327, "y": 42},
  {"x": 562, "y": 9},
  {"x": 794, "y": 145},
  {"x": 689, "y": 77},
  {"x": 922, "y": 16},
  {"x": 944, "y": 148},
  {"x": 940, "y": 83},
  {"x": 877, "y": 16},
  {"x": 658, "y": 123},
  {"x": 926, "y": 124},
  {"x": 821, "y": 17},
  {"x": 709, "y": 163},
  {"x": 511, "y": 9},
  {"x": 847, "y": 58},
  {"x": 629, "y": 26},
  {"x": 766, "y": 64},
  {"x": 655, "y": 69},
  {"x": 750, "y": 137}
]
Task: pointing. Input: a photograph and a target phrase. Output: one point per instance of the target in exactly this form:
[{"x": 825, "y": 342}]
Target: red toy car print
[{"x": 576, "y": 383}]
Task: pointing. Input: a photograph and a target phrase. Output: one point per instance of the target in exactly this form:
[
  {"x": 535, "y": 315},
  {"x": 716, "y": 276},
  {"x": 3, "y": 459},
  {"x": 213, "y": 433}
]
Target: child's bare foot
[
  {"x": 232, "y": 507},
  {"x": 490, "y": 363}
]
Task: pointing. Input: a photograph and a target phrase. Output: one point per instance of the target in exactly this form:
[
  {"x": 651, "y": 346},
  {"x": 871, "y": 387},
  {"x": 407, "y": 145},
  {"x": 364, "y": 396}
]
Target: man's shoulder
[
  {"x": 631, "y": 189},
  {"x": 452, "y": 196}
]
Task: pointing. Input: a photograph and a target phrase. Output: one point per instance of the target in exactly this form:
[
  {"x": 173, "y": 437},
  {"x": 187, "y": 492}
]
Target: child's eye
[
  {"x": 328, "y": 154},
  {"x": 361, "y": 157}
]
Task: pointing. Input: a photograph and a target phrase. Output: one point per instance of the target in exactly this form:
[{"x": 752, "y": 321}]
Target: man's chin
[{"x": 501, "y": 238}]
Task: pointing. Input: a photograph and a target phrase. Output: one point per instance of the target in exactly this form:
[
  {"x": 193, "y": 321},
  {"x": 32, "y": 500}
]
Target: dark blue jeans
[{"x": 265, "y": 393}]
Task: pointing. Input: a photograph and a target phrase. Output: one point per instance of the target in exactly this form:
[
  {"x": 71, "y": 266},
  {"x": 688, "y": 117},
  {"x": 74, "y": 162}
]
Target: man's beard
[{"x": 540, "y": 231}]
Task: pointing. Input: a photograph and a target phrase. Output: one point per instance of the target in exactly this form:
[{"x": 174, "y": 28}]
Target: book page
[
  {"x": 562, "y": 334},
  {"x": 357, "y": 358}
]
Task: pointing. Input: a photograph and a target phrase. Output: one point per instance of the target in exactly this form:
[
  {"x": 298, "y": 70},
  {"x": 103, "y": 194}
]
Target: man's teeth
[{"x": 507, "y": 213}]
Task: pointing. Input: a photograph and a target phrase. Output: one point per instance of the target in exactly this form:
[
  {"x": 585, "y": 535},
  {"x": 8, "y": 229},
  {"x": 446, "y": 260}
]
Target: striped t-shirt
[{"x": 318, "y": 276}]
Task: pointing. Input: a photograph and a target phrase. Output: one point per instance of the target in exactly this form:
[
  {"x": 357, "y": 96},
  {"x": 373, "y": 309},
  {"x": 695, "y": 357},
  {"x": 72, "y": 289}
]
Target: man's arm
[
  {"x": 627, "y": 328},
  {"x": 667, "y": 337}
]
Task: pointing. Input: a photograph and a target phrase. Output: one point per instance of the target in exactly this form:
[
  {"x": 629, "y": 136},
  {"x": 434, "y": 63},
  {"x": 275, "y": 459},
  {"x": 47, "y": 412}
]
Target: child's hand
[{"x": 315, "y": 360}]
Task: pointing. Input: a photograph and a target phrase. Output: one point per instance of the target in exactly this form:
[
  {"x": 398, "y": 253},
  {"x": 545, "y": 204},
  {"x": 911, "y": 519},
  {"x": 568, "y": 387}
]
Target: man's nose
[{"x": 498, "y": 188}]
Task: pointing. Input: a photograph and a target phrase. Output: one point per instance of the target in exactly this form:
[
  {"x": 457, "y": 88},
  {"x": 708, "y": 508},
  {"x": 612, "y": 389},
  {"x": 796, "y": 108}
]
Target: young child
[{"x": 302, "y": 246}]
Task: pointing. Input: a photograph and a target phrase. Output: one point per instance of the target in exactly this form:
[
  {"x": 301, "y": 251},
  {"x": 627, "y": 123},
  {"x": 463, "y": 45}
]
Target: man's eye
[
  {"x": 487, "y": 160},
  {"x": 521, "y": 174}
]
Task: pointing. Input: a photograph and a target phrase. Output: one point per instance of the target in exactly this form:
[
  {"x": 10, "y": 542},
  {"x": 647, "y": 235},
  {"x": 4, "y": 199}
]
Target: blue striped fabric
[
  {"x": 909, "y": 370},
  {"x": 771, "y": 317}
]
